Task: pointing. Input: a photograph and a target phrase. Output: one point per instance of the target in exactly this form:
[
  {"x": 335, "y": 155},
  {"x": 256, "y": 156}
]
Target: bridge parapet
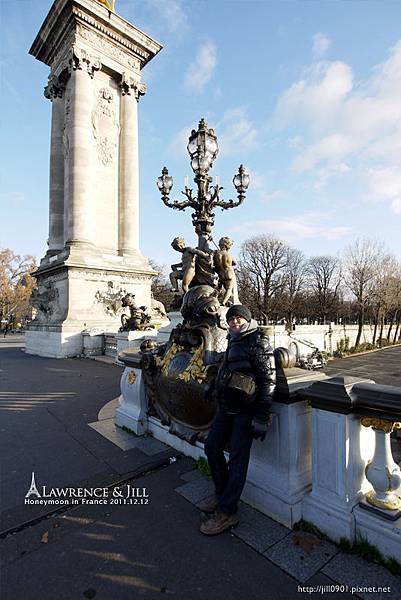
[{"x": 355, "y": 480}]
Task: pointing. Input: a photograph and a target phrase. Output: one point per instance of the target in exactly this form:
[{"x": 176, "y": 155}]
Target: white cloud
[
  {"x": 273, "y": 196},
  {"x": 336, "y": 121},
  {"x": 326, "y": 173},
  {"x": 294, "y": 228},
  {"x": 317, "y": 97},
  {"x": 321, "y": 43},
  {"x": 171, "y": 12},
  {"x": 385, "y": 184},
  {"x": 237, "y": 132},
  {"x": 261, "y": 184},
  {"x": 295, "y": 142},
  {"x": 396, "y": 206},
  {"x": 178, "y": 144},
  {"x": 258, "y": 180},
  {"x": 201, "y": 69},
  {"x": 332, "y": 147}
]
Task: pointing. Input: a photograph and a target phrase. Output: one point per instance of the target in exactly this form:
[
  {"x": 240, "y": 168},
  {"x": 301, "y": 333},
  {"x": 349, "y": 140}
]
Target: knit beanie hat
[{"x": 239, "y": 310}]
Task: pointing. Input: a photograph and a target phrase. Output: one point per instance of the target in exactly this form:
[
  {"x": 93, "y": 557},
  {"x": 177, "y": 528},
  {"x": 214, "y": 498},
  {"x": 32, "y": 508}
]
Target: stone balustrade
[
  {"x": 355, "y": 480},
  {"x": 326, "y": 459}
]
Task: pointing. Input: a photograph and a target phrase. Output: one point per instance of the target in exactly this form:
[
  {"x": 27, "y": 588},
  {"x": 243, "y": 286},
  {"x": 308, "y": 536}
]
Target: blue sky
[{"x": 307, "y": 94}]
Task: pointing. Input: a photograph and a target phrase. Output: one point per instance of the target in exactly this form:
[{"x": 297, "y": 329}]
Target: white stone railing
[
  {"x": 325, "y": 337},
  {"x": 355, "y": 480},
  {"x": 110, "y": 345},
  {"x": 326, "y": 459}
]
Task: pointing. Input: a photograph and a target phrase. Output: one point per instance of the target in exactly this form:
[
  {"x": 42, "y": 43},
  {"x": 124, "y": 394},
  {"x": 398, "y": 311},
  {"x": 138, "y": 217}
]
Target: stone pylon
[{"x": 93, "y": 258}]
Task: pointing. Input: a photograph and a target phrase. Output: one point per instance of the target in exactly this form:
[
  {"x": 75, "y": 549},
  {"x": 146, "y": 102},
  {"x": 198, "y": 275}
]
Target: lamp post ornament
[{"x": 203, "y": 149}]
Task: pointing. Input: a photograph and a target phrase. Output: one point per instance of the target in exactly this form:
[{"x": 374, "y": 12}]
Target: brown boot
[
  {"x": 218, "y": 523},
  {"x": 209, "y": 505}
]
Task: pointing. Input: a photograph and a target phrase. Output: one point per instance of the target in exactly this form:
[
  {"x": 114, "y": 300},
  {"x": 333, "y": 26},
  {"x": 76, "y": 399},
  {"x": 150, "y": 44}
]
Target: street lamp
[
  {"x": 165, "y": 183},
  {"x": 203, "y": 149}
]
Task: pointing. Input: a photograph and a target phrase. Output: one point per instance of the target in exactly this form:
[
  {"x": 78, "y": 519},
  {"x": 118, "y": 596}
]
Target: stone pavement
[
  {"x": 56, "y": 420},
  {"x": 383, "y": 366}
]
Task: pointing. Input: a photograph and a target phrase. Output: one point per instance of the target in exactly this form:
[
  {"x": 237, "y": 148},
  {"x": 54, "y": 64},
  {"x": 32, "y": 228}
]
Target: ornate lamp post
[{"x": 203, "y": 149}]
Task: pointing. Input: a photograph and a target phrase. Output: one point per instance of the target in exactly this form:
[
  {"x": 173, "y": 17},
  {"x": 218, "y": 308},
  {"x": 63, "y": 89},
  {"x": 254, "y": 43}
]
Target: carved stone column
[
  {"x": 88, "y": 48},
  {"x": 54, "y": 91},
  {"x": 80, "y": 149},
  {"x": 128, "y": 212}
]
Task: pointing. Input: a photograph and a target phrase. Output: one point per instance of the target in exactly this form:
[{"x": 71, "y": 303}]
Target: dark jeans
[{"x": 229, "y": 479}]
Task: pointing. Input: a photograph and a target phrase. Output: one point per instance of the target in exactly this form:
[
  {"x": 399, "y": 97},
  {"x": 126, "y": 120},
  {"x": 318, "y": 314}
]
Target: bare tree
[
  {"x": 393, "y": 307},
  {"x": 262, "y": 265},
  {"x": 396, "y": 317},
  {"x": 324, "y": 278},
  {"x": 361, "y": 266},
  {"x": 248, "y": 289},
  {"x": 294, "y": 282},
  {"x": 160, "y": 286},
  {"x": 383, "y": 292}
]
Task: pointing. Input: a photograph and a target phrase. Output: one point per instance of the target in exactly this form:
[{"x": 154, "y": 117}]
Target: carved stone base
[
  {"x": 381, "y": 533},
  {"x": 75, "y": 297},
  {"x": 54, "y": 341}
]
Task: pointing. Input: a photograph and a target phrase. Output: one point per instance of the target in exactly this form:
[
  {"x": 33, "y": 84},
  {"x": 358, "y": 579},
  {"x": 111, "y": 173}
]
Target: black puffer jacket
[{"x": 252, "y": 355}]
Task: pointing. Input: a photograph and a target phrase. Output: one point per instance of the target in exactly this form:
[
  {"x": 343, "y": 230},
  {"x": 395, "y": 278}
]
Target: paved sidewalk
[
  {"x": 383, "y": 366},
  {"x": 56, "y": 420}
]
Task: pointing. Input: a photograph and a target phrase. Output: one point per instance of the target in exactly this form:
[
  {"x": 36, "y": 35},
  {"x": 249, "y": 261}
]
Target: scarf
[{"x": 246, "y": 328}]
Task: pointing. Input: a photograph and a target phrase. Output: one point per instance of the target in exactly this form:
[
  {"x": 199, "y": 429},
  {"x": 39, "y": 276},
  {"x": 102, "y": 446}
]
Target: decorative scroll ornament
[
  {"x": 80, "y": 59},
  {"x": 111, "y": 299},
  {"x": 131, "y": 378},
  {"x": 196, "y": 368},
  {"x": 381, "y": 424},
  {"x": 128, "y": 83},
  {"x": 164, "y": 362},
  {"x": 66, "y": 126},
  {"x": 100, "y": 43},
  {"x": 54, "y": 88},
  {"x": 105, "y": 127}
]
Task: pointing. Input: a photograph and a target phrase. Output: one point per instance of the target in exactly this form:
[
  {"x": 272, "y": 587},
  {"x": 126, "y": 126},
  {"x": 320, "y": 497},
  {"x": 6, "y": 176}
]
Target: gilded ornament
[
  {"x": 389, "y": 505},
  {"x": 173, "y": 350},
  {"x": 196, "y": 369},
  {"x": 131, "y": 377},
  {"x": 381, "y": 424}
]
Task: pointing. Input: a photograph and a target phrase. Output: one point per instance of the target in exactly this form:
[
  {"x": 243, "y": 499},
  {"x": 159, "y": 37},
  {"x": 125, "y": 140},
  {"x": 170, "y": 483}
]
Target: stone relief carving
[
  {"x": 54, "y": 88},
  {"x": 111, "y": 299},
  {"x": 129, "y": 83},
  {"x": 106, "y": 94},
  {"x": 66, "y": 128},
  {"x": 81, "y": 59},
  {"x": 105, "y": 275},
  {"x": 105, "y": 126},
  {"x": 44, "y": 299},
  {"x": 108, "y": 47},
  {"x": 106, "y": 31},
  {"x": 60, "y": 58},
  {"x": 60, "y": 276}
]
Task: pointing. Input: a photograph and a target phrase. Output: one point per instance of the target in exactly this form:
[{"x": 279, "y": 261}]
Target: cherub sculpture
[
  {"x": 185, "y": 270},
  {"x": 224, "y": 267},
  {"x": 138, "y": 319}
]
